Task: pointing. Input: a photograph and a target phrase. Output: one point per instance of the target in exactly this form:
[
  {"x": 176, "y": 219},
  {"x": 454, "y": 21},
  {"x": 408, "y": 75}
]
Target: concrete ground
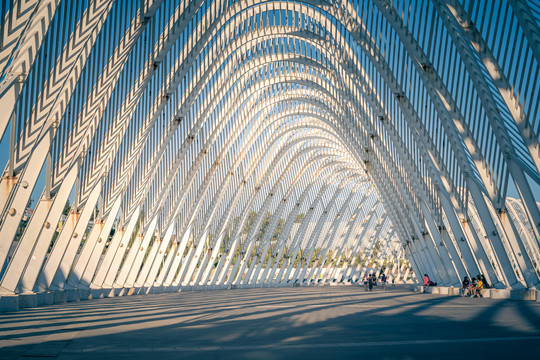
[{"x": 337, "y": 322}]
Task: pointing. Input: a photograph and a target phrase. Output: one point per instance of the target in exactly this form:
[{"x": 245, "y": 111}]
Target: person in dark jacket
[
  {"x": 465, "y": 286},
  {"x": 383, "y": 282}
]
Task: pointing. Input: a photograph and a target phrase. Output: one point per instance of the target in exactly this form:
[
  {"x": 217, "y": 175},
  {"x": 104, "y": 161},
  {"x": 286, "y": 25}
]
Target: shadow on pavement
[{"x": 276, "y": 323}]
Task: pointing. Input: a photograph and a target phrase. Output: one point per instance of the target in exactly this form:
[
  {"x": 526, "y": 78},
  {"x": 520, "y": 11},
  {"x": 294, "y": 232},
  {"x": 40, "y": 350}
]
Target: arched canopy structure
[{"x": 168, "y": 143}]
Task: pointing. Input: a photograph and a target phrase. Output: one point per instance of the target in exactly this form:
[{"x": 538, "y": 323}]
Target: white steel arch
[{"x": 159, "y": 144}]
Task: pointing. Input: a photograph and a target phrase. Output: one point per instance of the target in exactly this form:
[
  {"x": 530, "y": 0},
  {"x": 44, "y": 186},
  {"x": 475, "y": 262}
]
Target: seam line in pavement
[{"x": 303, "y": 346}]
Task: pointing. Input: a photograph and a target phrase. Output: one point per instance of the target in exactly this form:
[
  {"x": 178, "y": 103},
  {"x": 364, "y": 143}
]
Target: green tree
[
  {"x": 264, "y": 226},
  {"x": 67, "y": 208},
  {"x": 329, "y": 257},
  {"x": 314, "y": 256},
  {"x": 298, "y": 258},
  {"x": 279, "y": 229},
  {"x": 250, "y": 220},
  {"x": 236, "y": 255}
]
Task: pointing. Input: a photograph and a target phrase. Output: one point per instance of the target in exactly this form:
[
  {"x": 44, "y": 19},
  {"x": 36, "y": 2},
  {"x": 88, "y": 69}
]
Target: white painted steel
[{"x": 260, "y": 143}]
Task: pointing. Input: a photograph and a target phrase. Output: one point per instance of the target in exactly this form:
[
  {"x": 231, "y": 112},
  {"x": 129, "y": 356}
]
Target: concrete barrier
[
  {"x": 59, "y": 296},
  {"x": 19, "y": 301},
  {"x": 500, "y": 293},
  {"x": 45, "y": 298},
  {"x": 443, "y": 290},
  {"x": 9, "y": 303},
  {"x": 522, "y": 294},
  {"x": 96, "y": 294},
  {"x": 86, "y": 294},
  {"x": 27, "y": 301},
  {"x": 130, "y": 291},
  {"x": 72, "y": 295},
  {"x": 454, "y": 291},
  {"x": 120, "y": 291},
  {"x": 525, "y": 294}
]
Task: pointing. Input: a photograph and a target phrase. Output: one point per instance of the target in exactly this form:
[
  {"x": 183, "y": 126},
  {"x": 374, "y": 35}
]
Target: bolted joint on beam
[
  {"x": 428, "y": 68},
  {"x": 468, "y": 25}
]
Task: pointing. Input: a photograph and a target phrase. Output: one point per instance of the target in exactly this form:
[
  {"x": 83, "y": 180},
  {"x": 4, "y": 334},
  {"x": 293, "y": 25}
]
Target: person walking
[
  {"x": 383, "y": 282},
  {"x": 370, "y": 282},
  {"x": 365, "y": 283}
]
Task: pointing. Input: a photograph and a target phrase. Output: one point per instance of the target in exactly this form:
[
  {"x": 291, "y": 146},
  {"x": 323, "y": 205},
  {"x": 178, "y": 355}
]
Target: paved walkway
[{"x": 341, "y": 322}]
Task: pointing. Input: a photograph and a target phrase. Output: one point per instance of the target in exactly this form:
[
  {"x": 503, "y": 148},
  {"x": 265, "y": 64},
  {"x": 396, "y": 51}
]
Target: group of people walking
[{"x": 370, "y": 282}]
